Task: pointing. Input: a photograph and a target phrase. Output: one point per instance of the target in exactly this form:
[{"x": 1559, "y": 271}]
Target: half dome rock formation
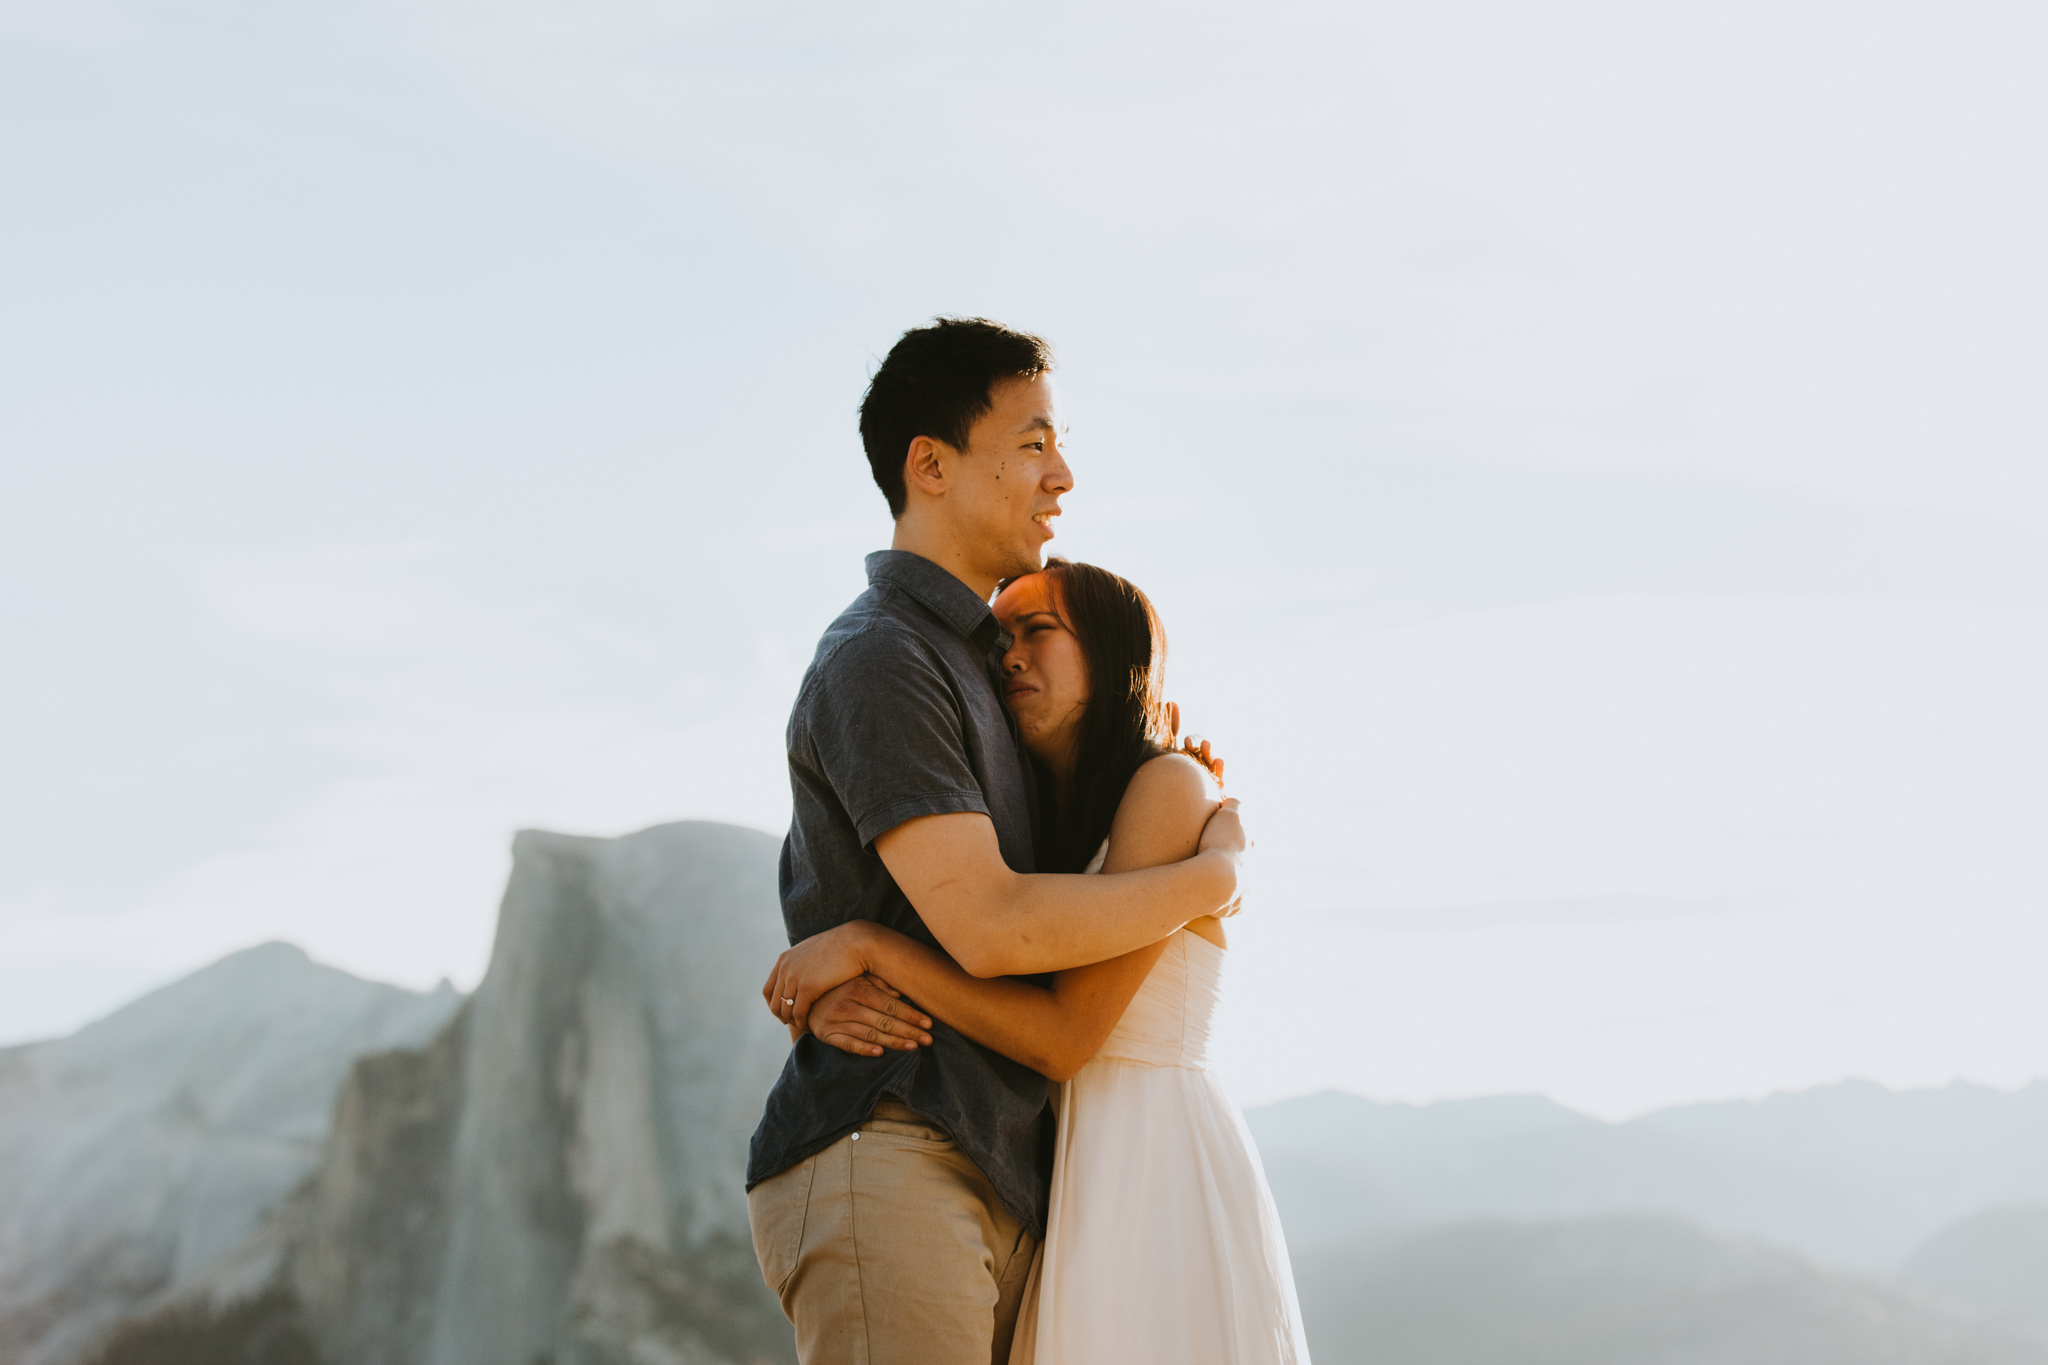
[
  {"x": 145, "y": 1146},
  {"x": 558, "y": 1175}
]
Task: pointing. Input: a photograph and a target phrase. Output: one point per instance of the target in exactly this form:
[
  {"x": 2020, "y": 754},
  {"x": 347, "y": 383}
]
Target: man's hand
[
  {"x": 813, "y": 967},
  {"x": 1224, "y": 836},
  {"x": 867, "y": 1015}
]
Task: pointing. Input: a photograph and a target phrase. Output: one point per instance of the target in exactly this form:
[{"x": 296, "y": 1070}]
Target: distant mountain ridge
[
  {"x": 1995, "y": 1261},
  {"x": 139, "y": 1149},
  {"x": 1851, "y": 1175},
  {"x": 1514, "y": 1231},
  {"x": 1622, "y": 1289}
]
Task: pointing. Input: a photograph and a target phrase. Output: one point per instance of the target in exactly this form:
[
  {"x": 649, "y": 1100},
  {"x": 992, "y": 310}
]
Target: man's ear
[{"x": 924, "y": 468}]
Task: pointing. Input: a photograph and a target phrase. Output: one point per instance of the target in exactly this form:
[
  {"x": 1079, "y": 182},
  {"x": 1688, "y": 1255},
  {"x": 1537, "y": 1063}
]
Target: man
[{"x": 897, "y": 1198}]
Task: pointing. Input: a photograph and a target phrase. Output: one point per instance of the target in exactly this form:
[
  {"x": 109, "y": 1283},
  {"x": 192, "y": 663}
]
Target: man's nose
[{"x": 1059, "y": 476}]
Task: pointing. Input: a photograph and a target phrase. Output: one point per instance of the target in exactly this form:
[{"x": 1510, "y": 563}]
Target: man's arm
[
  {"x": 996, "y": 922},
  {"x": 1054, "y": 1032}
]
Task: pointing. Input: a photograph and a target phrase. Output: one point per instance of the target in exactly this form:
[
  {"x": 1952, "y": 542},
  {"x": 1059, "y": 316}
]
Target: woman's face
[{"x": 1045, "y": 677}]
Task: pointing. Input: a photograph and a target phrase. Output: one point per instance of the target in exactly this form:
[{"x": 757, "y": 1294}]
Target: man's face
[{"x": 1011, "y": 476}]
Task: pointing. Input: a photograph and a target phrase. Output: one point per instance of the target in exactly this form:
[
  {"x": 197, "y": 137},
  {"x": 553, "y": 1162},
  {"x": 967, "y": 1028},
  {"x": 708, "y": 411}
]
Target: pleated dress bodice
[{"x": 1170, "y": 1020}]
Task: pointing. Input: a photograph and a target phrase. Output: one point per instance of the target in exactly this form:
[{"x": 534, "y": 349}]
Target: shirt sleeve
[{"x": 882, "y": 727}]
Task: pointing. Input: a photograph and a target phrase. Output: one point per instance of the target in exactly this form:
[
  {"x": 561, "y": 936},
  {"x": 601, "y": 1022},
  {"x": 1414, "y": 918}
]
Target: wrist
[{"x": 1225, "y": 863}]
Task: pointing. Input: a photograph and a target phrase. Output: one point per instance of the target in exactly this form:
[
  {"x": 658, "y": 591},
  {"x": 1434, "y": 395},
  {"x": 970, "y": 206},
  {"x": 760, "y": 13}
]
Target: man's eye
[{"x": 1037, "y": 445}]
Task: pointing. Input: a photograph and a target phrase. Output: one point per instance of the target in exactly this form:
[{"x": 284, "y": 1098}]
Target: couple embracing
[{"x": 996, "y": 1139}]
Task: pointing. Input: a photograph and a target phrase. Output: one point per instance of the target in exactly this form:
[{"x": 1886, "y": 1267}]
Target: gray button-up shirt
[{"x": 899, "y": 717}]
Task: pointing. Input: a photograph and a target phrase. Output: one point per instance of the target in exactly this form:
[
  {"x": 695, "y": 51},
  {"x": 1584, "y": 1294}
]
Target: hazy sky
[{"x": 1592, "y": 460}]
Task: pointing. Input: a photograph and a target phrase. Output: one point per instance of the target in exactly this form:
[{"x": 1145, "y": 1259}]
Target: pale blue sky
[{"x": 1593, "y": 464}]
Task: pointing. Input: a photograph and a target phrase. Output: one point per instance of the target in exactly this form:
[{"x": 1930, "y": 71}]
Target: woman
[{"x": 1162, "y": 1244}]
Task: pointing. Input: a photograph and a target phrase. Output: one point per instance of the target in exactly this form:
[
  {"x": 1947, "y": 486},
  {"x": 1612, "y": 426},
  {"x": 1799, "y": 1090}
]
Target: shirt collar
[{"x": 944, "y": 595}]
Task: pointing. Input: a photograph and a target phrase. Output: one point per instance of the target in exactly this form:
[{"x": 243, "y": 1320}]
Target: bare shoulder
[
  {"x": 1173, "y": 779},
  {"x": 1161, "y": 817}
]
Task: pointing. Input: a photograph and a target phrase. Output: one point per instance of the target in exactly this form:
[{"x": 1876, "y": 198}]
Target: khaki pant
[{"x": 890, "y": 1247}]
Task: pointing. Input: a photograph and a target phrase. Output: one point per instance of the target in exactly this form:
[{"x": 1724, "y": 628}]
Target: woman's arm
[{"x": 1053, "y": 1031}]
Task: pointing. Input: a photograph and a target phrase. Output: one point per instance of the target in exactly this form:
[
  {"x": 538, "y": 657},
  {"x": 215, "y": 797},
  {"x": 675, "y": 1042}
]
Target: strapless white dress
[{"x": 1162, "y": 1245}]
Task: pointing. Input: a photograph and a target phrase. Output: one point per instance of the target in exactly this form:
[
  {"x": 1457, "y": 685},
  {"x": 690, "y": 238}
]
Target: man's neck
[{"x": 929, "y": 542}]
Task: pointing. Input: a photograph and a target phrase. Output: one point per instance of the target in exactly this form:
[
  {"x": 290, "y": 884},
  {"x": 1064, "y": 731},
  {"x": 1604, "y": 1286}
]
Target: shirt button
[{"x": 856, "y": 1137}]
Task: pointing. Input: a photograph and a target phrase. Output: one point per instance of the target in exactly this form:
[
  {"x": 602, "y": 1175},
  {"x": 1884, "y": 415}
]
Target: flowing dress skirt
[{"x": 1163, "y": 1247}]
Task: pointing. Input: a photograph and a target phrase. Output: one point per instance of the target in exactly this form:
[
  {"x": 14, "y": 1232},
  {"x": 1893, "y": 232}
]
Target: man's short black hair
[{"x": 936, "y": 382}]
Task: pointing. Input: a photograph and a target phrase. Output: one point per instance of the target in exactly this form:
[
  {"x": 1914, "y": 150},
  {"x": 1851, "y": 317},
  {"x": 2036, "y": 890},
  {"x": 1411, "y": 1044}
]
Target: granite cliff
[{"x": 557, "y": 1176}]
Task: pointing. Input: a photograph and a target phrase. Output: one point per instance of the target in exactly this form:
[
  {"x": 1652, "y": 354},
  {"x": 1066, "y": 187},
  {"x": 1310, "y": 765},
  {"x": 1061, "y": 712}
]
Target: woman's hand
[
  {"x": 867, "y": 1015},
  {"x": 1224, "y": 835},
  {"x": 814, "y": 967}
]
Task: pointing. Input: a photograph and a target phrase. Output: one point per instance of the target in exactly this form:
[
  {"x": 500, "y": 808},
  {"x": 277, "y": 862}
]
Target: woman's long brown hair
[{"x": 1127, "y": 721}]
